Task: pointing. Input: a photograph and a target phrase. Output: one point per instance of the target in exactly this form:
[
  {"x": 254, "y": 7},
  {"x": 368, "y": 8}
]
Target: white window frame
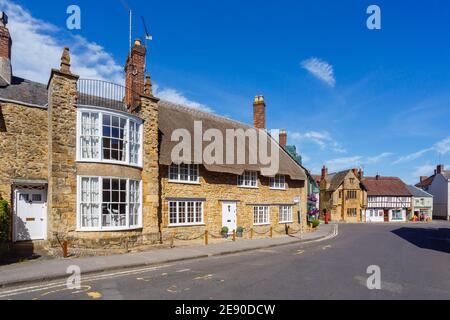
[
  {"x": 100, "y": 227},
  {"x": 278, "y": 182},
  {"x": 285, "y": 212},
  {"x": 248, "y": 180},
  {"x": 190, "y": 167},
  {"x": 129, "y": 119},
  {"x": 185, "y": 224},
  {"x": 266, "y": 214}
]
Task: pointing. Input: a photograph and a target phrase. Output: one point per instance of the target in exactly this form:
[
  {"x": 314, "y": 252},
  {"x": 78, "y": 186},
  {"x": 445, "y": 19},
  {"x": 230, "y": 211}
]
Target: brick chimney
[
  {"x": 283, "y": 138},
  {"x": 5, "y": 52},
  {"x": 440, "y": 169},
  {"x": 134, "y": 74},
  {"x": 361, "y": 174},
  {"x": 259, "y": 113},
  {"x": 324, "y": 172},
  {"x": 423, "y": 178}
]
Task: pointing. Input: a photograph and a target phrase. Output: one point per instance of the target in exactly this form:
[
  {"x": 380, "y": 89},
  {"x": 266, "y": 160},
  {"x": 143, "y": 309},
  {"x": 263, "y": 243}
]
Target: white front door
[
  {"x": 229, "y": 216},
  {"x": 30, "y": 215}
]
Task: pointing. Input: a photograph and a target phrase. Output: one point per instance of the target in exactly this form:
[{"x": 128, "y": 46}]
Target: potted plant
[
  {"x": 240, "y": 232},
  {"x": 224, "y": 232},
  {"x": 315, "y": 223}
]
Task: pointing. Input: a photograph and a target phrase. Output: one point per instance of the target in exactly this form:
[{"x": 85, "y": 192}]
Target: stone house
[
  {"x": 342, "y": 195},
  {"x": 438, "y": 185},
  {"x": 388, "y": 199},
  {"x": 89, "y": 162}
]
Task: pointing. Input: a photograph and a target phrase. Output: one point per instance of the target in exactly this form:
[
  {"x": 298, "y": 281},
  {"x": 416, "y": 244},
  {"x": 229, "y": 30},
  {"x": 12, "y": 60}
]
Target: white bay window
[
  {"x": 105, "y": 136},
  {"x": 109, "y": 204}
]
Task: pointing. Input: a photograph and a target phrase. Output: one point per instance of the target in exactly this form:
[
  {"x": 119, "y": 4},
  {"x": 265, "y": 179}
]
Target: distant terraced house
[{"x": 90, "y": 162}]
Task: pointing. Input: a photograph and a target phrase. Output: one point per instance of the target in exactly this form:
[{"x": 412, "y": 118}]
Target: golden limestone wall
[
  {"x": 64, "y": 170},
  {"x": 217, "y": 187},
  {"x": 23, "y": 147}
]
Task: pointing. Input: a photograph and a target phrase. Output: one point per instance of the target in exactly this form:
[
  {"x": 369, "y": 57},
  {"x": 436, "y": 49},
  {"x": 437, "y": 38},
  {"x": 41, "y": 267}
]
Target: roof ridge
[{"x": 200, "y": 112}]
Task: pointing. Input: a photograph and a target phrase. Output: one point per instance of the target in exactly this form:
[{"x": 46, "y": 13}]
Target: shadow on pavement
[{"x": 432, "y": 239}]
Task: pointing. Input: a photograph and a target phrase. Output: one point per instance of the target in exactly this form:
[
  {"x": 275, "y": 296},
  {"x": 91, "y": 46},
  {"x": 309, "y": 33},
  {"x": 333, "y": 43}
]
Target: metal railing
[{"x": 105, "y": 94}]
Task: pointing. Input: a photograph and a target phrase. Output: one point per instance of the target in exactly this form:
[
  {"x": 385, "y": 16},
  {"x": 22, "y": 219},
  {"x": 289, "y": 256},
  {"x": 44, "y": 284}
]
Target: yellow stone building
[
  {"x": 343, "y": 195},
  {"x": 90, "y": 162}
]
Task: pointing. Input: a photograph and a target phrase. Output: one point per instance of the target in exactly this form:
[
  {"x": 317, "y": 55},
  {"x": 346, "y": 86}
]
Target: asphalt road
[{"x": 414, "y": 261}]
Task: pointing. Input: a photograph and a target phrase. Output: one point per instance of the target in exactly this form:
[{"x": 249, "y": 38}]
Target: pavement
[
  {"x": 413, "y": 260},
  {"x": 40, "y": 271}
]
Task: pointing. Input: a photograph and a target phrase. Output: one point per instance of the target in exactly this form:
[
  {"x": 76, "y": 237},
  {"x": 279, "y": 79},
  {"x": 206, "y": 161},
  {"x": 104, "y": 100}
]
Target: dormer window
[
  {"x": 110, "y": 137},
  {"x": 278, "y": 182},
  {"x": 248, "y": 180},
  {"x": 184, "y": 173}
]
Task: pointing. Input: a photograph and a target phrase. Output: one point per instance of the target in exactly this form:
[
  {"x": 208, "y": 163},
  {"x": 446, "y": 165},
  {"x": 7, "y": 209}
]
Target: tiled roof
[
  {"x": 336, "y": 179},
  {"x": 386, "y": 186},
  {"x": 427, "y": 182},
  {"x": 419, "y": 193},
  {"x": 26, "y": 91}
]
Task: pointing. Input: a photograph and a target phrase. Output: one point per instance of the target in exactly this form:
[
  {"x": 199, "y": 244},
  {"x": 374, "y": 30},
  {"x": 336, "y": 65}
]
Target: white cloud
[
  {"x": 442, "y": 147},
  {"x": 321, "y": 70},
  {"x": 38, "y": 45},
  {"x": 344, "y": 163},
  {"x": 177, "y": 97},
  {"x": 424, "y": 170},
  {"x": 378, "y": 158},
  {"x": 355, "y": 161},
  {"x": 322, "y": 139}
]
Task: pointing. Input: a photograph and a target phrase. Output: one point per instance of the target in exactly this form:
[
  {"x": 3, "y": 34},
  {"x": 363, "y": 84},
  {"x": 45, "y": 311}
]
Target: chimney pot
[
  {"x": 259, "y": 112},
  {"x": 440, "y": 169},
  {"x": 134, "y": 75},
  {"x": 324, "y": 172}
]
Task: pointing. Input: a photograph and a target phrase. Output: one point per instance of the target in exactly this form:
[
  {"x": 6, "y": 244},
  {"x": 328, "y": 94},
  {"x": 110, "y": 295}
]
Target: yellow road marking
[
  {"x": 326, "y": 247},
  {"x": 299, "y": 252},
  {"x": 94, "y": 295}
]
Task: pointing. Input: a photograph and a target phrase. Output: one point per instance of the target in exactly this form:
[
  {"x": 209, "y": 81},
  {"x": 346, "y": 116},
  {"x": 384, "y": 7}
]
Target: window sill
[
  {"x": 117, "y": 163},
  {"x": 285, "y": 222},
  {"x": 246, "y": 187},
  {"x": 261, "y": 224},
  {"x": 185, "y": 182},
  {"x": 278, "y": 189},
  {"x": 109, "y": 229},
  {"x": 186, "y": 225}
]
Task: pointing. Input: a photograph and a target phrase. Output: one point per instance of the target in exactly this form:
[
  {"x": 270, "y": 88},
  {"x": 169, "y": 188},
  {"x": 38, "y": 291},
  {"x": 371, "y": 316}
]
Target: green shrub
[
  {"x": 4, "y": 221},
  {"x": 224, "y": 230},
  {"x": 316, "y": 223},
  {"x": 240, "y": 230}
]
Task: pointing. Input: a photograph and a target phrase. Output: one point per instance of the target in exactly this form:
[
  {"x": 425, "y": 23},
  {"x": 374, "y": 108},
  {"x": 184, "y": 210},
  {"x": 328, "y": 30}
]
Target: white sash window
[
  {"x": 106, "y": 136},
  {"x": 109, "y": 204}
]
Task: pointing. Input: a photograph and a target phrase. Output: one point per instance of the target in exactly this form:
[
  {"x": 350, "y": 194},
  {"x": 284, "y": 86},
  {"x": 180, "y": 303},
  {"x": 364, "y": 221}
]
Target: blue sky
[{"x": 348, "y": 96}]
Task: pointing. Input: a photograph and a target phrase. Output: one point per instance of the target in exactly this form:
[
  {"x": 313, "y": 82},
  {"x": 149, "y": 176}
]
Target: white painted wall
[
  {"x": 440, "y": 190},
  {"x": 374, "y": 215}
]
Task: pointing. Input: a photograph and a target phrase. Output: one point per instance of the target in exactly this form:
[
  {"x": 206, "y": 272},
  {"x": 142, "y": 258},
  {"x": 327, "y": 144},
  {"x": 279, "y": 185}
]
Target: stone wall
[
  {"x": 218, "y": 187},
  {"x": 23, "y": 145}
]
